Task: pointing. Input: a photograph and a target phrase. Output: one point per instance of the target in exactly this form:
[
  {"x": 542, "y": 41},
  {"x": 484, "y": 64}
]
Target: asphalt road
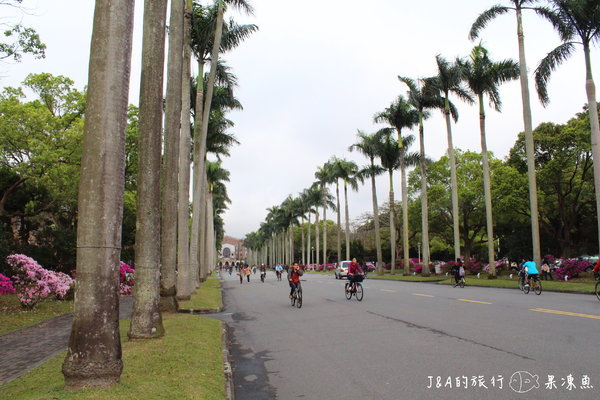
[{"x": 410, "y": 341}]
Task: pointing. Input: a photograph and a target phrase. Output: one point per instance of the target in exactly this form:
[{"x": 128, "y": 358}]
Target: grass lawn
[
  {"x": 13, "y": 316},
  {"x": 185, "y": 364},
  {"x": 208, "y": 296},
  {"x": 581, "y": 286},
  {"x": 408, "y": 278}
]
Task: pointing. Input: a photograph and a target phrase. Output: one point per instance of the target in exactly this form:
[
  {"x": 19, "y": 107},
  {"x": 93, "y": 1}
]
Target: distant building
[{"x": 232, "y": 250}]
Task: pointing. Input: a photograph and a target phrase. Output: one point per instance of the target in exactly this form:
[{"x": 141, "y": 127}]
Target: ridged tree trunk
[
  {"x": 339, "y": 222},
  {"x": 170, "y": 183},
  {"x": 424, "y": 206},
  {"x": 94, "y": 353},
  {"x": 302, "y": 247},
  {"x": 405, "y": 245},
  {"x": 205, "y": 234},
  {"x": 308, "y": 245},
  {"x": 184, "y": 284},
  {"x": 376, "y": 221},
  {"x": 347, "y": 220},
  {"x": 453, "y": 182},
  {"x": 146, "y": 320},
  {"x": 590, "y": 90},
  {"x": 392, "y": 226},
  {"x": 487, "y": 190},
  {"x": 529, "y": 145}
]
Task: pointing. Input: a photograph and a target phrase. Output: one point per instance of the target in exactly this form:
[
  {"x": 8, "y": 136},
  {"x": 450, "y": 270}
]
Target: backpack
[{"x": 461, "y": 271}]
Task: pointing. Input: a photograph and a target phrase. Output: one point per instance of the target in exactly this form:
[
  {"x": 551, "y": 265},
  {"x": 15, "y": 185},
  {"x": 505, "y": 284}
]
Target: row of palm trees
[
  {"x": 170, "y": 258},
  {"x": 477, "y": 78}
]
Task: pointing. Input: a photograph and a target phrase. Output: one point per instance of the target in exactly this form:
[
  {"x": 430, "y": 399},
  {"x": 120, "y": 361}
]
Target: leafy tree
[
  {"x": 23, "y": 40},
  {"x": 578, "y": 22}
]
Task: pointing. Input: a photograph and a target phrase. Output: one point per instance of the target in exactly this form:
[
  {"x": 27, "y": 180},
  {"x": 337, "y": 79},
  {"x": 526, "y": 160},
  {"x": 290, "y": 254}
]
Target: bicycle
[
  {"x": 535, "y": 284},
  {"x": 279, "y": 273},
  {"x": 354, "y": 288},
  {"x": 297, "y": 297},
  {"x": 597, "y": 289},
  {"x": 460, "y": 283}
]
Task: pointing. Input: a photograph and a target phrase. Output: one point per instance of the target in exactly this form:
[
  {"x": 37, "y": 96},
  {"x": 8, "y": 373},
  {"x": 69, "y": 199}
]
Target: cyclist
[
  {"x": 355, "y": 272},
  {"x": 294, "y": 274},
  {"x": 278, "y": 271},
  {"x": 263, "y": 272},
  {"x": 531, "y": 271},
  {"x": 456, "y": 270},
  {"x": 596, "y": 270}
]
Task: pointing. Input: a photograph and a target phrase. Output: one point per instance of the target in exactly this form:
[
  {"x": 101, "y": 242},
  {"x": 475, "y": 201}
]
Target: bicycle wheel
[
  {"x": 526, "y": 288},
  {"x": 299, "y": 299},
  {"x": 347, "y": 287},
  {"x": 598, "y": 290},
  {"x": 538, "y": 287},
  {"x": 359, "y": 291},
  {"x": 453, "y": 282},
  {"x": 462, "y": 282},
  {"x": 521, "y": 284},
  {"x": 293, "y": 300}
]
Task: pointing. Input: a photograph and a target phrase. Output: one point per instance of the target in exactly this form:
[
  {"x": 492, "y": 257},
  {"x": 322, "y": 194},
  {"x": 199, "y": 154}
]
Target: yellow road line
[
  {"x": 475, "y": 301},
  {"x": 386, "y": 290},
  {"x": 565, "y": 313},
  {"x": 422, "y": 295}
]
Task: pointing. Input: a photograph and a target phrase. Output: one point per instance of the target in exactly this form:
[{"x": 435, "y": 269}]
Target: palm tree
[
  {"x": 449, "y": 79},
  {"x": 184, "y": 276},
  {"x": 401, "y": 114},
  {"x": 422, "y": 99},
  {"x": 209, "y": 36},
  {"x": 170, "y": 169},
  {"x": 324, "y": 177},
  {"x": 578, "y": 22},
  {"x": 480, "y": 23},
  {"x": 387, "y": 151},
  {"x": 368, "y": 145},
  {"x": 483, "y": 77},
  {"x": 94, "y": 354},
  {"x": 146, "y": 319},
  {"x": 348, "y": 172}
]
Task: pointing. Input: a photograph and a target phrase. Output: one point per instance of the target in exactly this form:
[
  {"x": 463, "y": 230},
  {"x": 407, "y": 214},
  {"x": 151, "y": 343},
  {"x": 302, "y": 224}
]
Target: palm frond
[
  {"x": 241, "y": 5},
  {"x": 485, "y": 17},
  {"x": 564, "y": 30},
  {"x": 547, "y": 66}
]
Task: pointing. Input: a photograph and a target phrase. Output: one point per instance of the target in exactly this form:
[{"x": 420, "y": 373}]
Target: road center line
[
  {"x": 422, "y": 295},
  {"x": 387, "y": 290},
  {"x": 475, "y": 301},
  {"x": 565, "y": 313}
]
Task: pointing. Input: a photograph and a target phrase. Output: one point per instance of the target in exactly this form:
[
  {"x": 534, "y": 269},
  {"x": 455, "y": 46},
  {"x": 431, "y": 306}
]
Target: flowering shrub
[
  {"x": 33, "y": 283},
  {"x": 572, "y": 268},
  {"x": 473, "y": 266},
  {"x": 6, "y": 285},
  {"x": 126, "y": 278},
  {"x": 418, "y": 269}
]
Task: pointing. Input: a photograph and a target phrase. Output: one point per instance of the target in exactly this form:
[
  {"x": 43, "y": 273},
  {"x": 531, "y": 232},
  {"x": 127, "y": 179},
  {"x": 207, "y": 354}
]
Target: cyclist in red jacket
[
  {"x": 294, "y": 274},
  {"x": 355, "y": 272}
]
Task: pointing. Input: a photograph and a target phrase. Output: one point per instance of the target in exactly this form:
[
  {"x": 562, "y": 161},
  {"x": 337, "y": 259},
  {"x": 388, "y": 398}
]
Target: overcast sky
[{"x": 317, "y": 71}]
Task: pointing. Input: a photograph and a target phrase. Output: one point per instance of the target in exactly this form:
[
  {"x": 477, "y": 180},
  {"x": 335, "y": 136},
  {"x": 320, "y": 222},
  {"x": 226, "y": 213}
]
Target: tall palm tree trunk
[
  {"x": 453, "y": 182},
  {"x": 184, "y": 277},
  {"x": 487, "y": 190},
  {"x": 347, "y": 220},
  {"x": 392, "y": 227},
  {"x": 308, "y": 245},
  {"x": 590, "y": 90},
  {"x": 529, "y": 146},
  {"x": 405, "y": 245},
  {"x": 198, "y": 171},
  {"x": 94, "y": 353},
  {"x": 376, "y": 220},
  {"x": 339, "y": 222},
  {"x": 146, "y": 320},
  {"x": 302, "y": 247},
  {"x": 317, "y": 236},
  {"x": 325, "y": 236},
  {"x": 424, "y": 206},
  {"x": 170, "y": 184}
]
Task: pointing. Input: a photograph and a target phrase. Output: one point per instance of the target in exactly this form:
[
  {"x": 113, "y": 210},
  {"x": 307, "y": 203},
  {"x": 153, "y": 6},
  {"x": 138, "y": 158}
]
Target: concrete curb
[{"x": 227, "y": 369}]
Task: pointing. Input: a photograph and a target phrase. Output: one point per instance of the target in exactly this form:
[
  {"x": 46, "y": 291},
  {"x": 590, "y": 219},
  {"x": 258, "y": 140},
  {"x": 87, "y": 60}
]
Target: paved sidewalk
[{"x": 29, "y": 347}]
